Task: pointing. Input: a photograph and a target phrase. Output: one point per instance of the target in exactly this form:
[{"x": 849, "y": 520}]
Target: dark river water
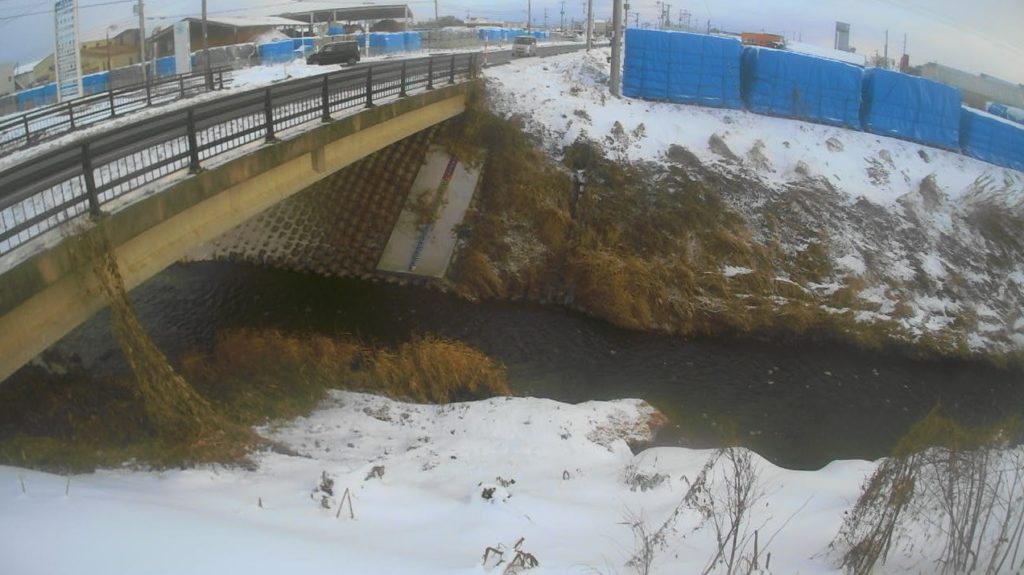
[{"x": 800, "y": 406}]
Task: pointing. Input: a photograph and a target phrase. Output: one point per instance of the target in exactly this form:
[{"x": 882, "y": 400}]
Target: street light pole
[{"x": 529, "y": 14}]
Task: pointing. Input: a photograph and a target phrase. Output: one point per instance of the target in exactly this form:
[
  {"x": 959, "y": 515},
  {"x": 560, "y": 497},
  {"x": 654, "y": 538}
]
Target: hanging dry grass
[{"x": 179, "y": 416}]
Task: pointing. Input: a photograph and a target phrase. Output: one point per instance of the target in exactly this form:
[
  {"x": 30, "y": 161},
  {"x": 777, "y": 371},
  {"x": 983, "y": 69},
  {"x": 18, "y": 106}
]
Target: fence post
[
  {"x": 268, "y": 115},
  {"x": 193, "y": 143},
  {"x": 71, "y": 115},
  {"x": 402, "y": 93},
  {"x": 451, "y": 71},
  {"x": 181, "y": 86},
  {"x": 24, "y": 120},
  {"x": 149, "y": 94},
  {"x": 220, "y": 77},
  {"x": 90, "y": 181},
  {"x": 369, "y": 86},
  {"x": 325, "y": 101},
  {"x": 430, "y": 73},
  {"x": 472, "y": 66},
  {"x": 110, "y": 97}
]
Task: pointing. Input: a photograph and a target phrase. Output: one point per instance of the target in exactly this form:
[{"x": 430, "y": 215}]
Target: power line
[{"x": 50, "y": 11}]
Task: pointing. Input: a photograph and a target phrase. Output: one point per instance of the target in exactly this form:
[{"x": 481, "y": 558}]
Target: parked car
[
  {"x": 336, "y": 53},
  {"x": 524, "y": 46}
]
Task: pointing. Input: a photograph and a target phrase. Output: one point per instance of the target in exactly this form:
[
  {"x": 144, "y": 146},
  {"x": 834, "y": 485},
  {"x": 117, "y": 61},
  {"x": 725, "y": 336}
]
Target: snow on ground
[
  {"x": 566, "y": 97},
  {"x": 561, "y": 476},
  {"x": 901, "y": 216}
]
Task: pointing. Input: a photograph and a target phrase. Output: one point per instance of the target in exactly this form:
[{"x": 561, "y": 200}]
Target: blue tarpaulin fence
[
  {"x": 387, "y": 42},
  {"x": 780, "y": 83},
  {"x": 991, "y": 139},
  {"x": 277, "y": 52},
  {"x": 413, "y": 41},
  {"x": 165, "y": 66},
  {"x": 36, "y": 97},
  {"x": 683, "y": 68},
  {"x": 911, "y": 108},
  {"x": 95, "y": 83}
]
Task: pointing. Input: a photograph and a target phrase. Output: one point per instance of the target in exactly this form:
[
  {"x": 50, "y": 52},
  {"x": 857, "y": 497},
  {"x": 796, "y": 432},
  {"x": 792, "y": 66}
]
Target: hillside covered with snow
[{"x": 924, "y": 239}]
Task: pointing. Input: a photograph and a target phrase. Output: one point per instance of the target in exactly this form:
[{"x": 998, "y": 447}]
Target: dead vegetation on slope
[
  {"x": 76, "y": 421},
  {"x": 645, "y": 247}
]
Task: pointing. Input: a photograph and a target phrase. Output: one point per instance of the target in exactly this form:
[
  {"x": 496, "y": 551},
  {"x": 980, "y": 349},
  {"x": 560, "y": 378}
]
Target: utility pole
[
  {"x": 437, "y": 19},
  {"x": 590, "y": 24},
  {"x": 529, "y": 14},
  {"x": 562, "y": 23},
  {"x": 615, "y": 82},
  {"x": 885, "y": 55},
  {"x": 206, "y": 52},
  {"x": 545, "y": 18},
  {"x": 142, "y": 41}
]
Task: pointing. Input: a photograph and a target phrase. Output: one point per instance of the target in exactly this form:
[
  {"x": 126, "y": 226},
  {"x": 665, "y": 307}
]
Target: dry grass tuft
[{"x": 436, "y": 370}]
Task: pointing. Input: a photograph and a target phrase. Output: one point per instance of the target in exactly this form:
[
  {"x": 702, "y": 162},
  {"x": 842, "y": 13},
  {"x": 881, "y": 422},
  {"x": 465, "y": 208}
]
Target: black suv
[{"x": 336, "y": 53}]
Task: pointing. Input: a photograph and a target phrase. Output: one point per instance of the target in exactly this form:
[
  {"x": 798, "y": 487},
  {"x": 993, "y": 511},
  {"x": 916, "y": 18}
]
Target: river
[{"x": 799, "y": 406}]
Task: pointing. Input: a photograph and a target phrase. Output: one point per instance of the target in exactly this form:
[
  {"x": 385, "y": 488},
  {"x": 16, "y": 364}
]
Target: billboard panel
[{"x": 66, "y": 56}]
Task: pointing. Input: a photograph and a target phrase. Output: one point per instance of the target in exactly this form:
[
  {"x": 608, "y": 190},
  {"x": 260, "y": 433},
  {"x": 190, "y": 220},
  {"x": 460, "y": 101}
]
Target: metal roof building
[{"x": 333, "y": 12}]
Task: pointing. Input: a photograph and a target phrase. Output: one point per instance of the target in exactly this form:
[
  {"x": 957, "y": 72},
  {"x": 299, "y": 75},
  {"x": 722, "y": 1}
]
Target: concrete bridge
[{"x": 160, "y": 187}]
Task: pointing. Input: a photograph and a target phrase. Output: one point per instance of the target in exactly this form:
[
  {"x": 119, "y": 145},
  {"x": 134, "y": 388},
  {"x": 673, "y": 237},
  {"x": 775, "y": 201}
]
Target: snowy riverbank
[
  {"x": 417, "y": 475},
  {"x": 922, "y": 238}
]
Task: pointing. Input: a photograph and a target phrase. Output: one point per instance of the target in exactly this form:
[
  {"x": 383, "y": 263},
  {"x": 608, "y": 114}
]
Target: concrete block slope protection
[
  {"x": 911, "y": 108},
  {"x": 683, "y": 68},
  {"x": 800, "y": 86}
]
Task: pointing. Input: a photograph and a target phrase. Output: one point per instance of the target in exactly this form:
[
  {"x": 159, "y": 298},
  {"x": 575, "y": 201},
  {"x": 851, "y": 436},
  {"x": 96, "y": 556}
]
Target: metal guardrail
[
  {"x": 52, "y": 121},
  {"x": 80, "y": 178}
]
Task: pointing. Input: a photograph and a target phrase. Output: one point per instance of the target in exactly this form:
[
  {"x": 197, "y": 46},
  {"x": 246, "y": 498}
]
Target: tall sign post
[{"x": 67, "y": 58}]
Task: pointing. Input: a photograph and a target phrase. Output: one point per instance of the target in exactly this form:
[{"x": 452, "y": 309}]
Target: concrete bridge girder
[{"x": 48, "y": 295}]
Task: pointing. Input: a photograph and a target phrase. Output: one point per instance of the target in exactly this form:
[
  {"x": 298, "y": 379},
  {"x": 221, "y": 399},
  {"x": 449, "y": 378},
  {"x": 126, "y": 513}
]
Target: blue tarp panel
[
  {"x": 911, "y": 108},
  {"x": 1008, "y": 112},
  {"x": 36, "y": 97},
  {"x": 335, "y": 30},
  {"x": 95, "y": 83},
  {"x": 781, "y": 83},
  {"x": 165, "y": 66},
  {"x": 387, "y": 42},
  {"x": 991, "y": 139},
  {"x": 413, "y": 41},
  {"x": 682, "y": 67},
  {"x": 277, "y": 52}
]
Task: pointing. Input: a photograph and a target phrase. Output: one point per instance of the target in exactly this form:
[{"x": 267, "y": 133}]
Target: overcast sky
[{"x": 974, "y": 35}]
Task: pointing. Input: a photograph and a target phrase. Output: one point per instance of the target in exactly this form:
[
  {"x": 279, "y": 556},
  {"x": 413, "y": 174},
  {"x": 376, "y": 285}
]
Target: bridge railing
[
  {"x": 40, "y": 195},
  {"x": 49, "y": 122}
]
